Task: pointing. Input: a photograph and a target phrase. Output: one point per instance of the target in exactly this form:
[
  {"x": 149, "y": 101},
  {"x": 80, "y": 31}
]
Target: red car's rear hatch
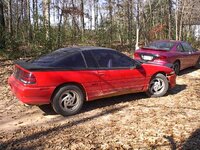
[
  {"x": 31, "y": 67},
  {"x": 150, "y": 54},
  {"x": 24, "y": 71}
]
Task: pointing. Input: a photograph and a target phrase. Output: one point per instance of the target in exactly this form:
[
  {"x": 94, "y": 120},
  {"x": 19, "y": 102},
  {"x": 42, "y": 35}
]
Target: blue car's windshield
[{"x": 163, "y": 45}]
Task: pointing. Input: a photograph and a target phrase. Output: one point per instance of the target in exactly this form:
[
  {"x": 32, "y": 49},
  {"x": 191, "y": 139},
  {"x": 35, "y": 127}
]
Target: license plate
[{"x": 145, "y": 57}]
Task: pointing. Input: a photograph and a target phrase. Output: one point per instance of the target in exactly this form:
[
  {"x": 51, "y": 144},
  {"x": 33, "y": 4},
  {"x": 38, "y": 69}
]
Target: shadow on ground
[
  {"x": 178, "y": 88},
  {"x": 186, "y": 71},
  {"x": 100, "y": 103},
  {"x": 34, "y": 138},
  {"x": 193, "y": 142}
]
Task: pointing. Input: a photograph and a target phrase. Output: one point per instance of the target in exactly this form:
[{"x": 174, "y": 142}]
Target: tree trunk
[
  {"x": 49, "y": 15},
  {"x": 59, "y": 25},
  {"x": 82, "y": 16},
  {"x": 29, "y": 22},
  {"x": 111, "y": 20},
  {"x": 137, "y": 25},
  {"x": 96, "y": 14},
  {"x": 176, "y": 19},
  {"x": 10, "y": 28},
  {"x": 2, "y": 25},
  {"x": 181, "y": 24},
  {"x": 37, "y": 15},
  {"x": 169, "y": 18},
  {"x": 45, "y": 18},
  {"x": 129, "y": 12},
  {"x": 26, "y": 20}
]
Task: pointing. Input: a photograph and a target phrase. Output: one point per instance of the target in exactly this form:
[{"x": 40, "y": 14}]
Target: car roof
[
  {"x": 82, "y": 48},
  {"x": 175, "y": 41}
]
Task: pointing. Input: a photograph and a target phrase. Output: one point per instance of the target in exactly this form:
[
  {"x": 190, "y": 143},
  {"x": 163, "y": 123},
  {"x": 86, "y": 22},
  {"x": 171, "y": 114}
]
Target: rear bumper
[
  {"x": 30, "y": 95},
  {"x": 172, "y": 80}
]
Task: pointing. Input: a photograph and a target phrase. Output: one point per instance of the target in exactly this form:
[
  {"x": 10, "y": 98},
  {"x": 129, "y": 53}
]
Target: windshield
[{"x": 163, "y": 45}]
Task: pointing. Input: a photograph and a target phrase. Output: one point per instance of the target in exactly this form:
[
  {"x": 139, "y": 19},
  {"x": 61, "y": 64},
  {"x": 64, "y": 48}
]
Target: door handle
[{"x": 101, "y": 74}]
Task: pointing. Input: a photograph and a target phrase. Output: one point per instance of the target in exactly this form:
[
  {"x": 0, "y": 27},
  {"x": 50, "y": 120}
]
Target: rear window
[
  {"x": 61, "y": 59},
  {"x": 164, "y": 45},
  {"x": 52, "y": 57}
]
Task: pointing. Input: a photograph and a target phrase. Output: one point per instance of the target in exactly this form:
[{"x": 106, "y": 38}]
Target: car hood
[{"x": 152, "y": 68}]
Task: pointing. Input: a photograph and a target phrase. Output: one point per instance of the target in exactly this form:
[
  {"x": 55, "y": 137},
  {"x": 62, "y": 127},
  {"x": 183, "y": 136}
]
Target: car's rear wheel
[
  {"x": 158, "y": 86},
  {"x": 68, "y": 100},
  {"x": 198, "y": 64},
  {"x": 176, "y": 67}
]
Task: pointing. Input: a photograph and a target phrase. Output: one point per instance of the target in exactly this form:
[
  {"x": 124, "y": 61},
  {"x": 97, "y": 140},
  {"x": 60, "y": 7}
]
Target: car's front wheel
[
  {"x": 158, "y": 86},
  {"x": 68, "y": 100}
]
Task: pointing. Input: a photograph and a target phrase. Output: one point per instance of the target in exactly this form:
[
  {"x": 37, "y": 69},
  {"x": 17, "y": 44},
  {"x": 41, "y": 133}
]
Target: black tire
[
  {"x": 68, "y": 100},
  {"x": 154, "y": 90},
  {"x": 197, "y": 66},
  {"x": 176, "y": 67}
]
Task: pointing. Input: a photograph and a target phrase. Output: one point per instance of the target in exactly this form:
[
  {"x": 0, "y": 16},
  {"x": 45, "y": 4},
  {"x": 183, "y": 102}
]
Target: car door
[
  {"x": 182, "y": 56},
  {"x": 133, "y": 77},
  {"x": 190, "y": 53},
  {"x": 89, "y": 77},
  {"x": 117, "y": 73},
  {"x": 110, "y": 79}
]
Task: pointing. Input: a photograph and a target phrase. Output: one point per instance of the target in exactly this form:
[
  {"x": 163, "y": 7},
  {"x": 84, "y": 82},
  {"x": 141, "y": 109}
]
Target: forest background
[{"x": 35, "y": 27}]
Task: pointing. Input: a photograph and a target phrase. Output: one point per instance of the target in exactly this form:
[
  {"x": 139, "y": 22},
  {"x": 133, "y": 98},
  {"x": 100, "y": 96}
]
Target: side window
[
  {"x": 187, "y": 47},
  {"x": 102, "y": 57},
  {"x": 91, "y": 63},
  {"x": 120, "y": 60},
  {"x": 180, "y": 48},
  {"x": 112, "y": 59},
  {"x": 74, "y": 60}
]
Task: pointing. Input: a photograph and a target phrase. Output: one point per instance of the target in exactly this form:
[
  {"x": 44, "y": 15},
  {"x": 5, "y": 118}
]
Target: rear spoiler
[{"x": 158, "y": 49}]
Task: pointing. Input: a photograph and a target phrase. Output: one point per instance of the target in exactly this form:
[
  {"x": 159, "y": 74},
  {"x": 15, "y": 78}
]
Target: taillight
[
  {"x": 27, "y": 78},
  {"x": 163, "y": 58},
  {"x": 24, "y": 76},
  {"x": 136, "y": 55}
]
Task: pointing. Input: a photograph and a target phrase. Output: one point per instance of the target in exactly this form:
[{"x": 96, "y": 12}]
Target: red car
[
  {"x": 162, "y": 52},
  {"x": 68, "y": 77}
]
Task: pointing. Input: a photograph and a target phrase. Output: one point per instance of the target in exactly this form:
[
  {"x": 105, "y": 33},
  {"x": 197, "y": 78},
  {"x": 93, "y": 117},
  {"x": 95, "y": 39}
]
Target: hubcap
[
  {"x": 69, "y": 100},
  {"x": 157, "y": 86}
]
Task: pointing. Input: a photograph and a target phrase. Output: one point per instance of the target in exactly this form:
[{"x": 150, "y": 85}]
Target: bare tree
[
  {"x": 110, "y": 7},
  {"x": 169, "y": 18},
  {"x": 82, "y": 16},
  {"x": 46, "y": 16},
  {"x": 137, "y": 24},
  {"x": 10, "y": 28},
  {"x": 130, "y": 19},
  {"x": 2, "y": 25}
]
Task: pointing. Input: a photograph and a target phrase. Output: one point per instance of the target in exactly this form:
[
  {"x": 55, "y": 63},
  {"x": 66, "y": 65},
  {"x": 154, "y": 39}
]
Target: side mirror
[{"x": 137, "y": 65}]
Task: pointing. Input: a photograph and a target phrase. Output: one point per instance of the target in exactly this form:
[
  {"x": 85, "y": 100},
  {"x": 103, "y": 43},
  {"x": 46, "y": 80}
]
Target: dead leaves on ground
[{"x": 170, "y": 122}]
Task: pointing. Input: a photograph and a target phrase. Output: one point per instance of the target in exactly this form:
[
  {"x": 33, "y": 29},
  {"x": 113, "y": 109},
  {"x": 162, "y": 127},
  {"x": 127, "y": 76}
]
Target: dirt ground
[{"x": 126, "y": 122}]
